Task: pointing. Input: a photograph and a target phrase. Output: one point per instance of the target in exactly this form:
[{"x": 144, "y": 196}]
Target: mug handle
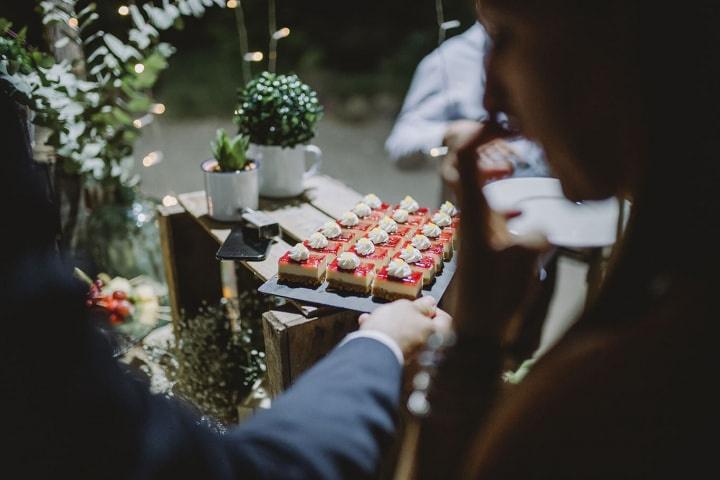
[{"x": 315, "y": 152}]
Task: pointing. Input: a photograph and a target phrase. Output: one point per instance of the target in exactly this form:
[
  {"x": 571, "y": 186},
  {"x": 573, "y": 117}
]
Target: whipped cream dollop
[
  {"x": 365, "y": 246},
  {"x": 372, "y": 200},
  {"x": 448, "y": 208},
  {"x": 408, "y": 203},
  {"x": 349, "y": 219},
  {"x": 299, "y": 252},
  {"x": 442, "y": 219},
  {"x": 317, "y": 240},
  {"x": 421, "y": 242},
  {"x": 398, "y": 268},
  {"x": 400, "y": 215},
  {"x": 362, "y": 210},
  {"x": 378, "y": 235},
  {"x": 388, "y": 224},
  {"x": 348, "y": 261},
  {"x": 331, "y": 229},
  {"x": 411, "y": 254},
  {"x": 431, "y": 230}
]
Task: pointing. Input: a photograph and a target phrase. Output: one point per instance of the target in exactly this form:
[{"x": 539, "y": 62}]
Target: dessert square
[
  {"x": 309, "y": 272},
  {"x": 332, "y": 250},
  {"x": 355, "y": 280},
  {"x": 434, "y": 251},
  {"x": 391, "y": 288},
  {"x": 380, "y": 257},
  {"x": 392, "y": 244},
  {"x": 424, "y": 264}
]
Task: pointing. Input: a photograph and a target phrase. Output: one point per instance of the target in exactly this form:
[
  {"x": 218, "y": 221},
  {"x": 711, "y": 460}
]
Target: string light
[
  {"x": 152, "y": 158},
  {"x": 169, "y": 201},
  {"x": 142, "y": 121},
  {"x": 73, "y": 22},
  {"x": 253, "y": 57},
  {"x": 139, "y": 68},
  {"x": 282, "y": 33},
  {"x": 231, "y": 4},
  {"x": 124, "y": 10},
  {"x": 157, "y": 108},
  {"x": 438, "y": 151}
]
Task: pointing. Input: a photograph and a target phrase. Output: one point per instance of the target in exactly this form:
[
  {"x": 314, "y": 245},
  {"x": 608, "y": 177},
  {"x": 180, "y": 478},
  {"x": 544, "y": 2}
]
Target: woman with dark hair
[{"x": 624, "y": 97}]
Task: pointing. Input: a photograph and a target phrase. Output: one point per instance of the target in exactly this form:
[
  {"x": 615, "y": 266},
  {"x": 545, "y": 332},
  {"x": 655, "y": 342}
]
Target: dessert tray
[{"x": 373, "y": 254}]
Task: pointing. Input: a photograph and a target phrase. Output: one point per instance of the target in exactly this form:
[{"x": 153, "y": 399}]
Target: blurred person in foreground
[
  {"x": 624, "y": 97},
  {"x": 71, "y": 412},
  {"x": 443, "y": 107}
]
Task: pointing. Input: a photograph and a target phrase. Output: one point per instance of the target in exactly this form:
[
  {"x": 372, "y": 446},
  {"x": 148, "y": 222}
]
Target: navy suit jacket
[
  {"x": 68, "y": 411},
  {"x": 73, "y": 413}
]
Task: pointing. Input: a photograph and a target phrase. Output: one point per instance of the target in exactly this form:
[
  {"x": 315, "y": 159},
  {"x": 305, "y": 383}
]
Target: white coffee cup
[{"x": 283, "y": 170}]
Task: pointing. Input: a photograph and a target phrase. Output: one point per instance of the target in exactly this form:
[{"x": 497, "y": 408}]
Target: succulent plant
[
  {"x": 230, "y": 153},
  {"x": 278, "y": 110}
]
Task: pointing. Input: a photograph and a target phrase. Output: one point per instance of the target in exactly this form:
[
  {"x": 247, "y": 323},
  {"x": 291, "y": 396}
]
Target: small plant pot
[
  {"x": 229, "y": 192},
  {"x": 283, "y": 170}
]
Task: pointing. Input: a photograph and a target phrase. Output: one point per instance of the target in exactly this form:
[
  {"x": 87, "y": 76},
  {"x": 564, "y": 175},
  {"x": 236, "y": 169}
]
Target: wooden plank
[
  {"x": 276, "y": 350},
  {"x": 297, "y": 218},
  {"x": 168, "y": 253},
  {"x": 330, "y": 196},
  {"x": 310, "y": 339},
  {"x": 196, "y": 204}
]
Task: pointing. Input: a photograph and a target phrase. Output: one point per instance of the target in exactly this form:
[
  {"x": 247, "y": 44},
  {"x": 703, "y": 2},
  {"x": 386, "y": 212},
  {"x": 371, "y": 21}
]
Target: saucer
[{"x": 545, "y": 209}]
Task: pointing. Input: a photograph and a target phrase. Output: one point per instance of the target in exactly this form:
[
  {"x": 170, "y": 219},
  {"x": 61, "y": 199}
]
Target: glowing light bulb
[
  {"x": 157, "y": 108},
  {"x": 123, "y": 10},
  {"x": 137, "y": 123},
  {"x": 152, "y": 158},
  {"x": 73, "y": 22},
  {"x": 231, "y": 3},
  {"x": 253, "y": 57},
  {"x": 282, "y": 33},
  {"x": 139, "y": 68}
]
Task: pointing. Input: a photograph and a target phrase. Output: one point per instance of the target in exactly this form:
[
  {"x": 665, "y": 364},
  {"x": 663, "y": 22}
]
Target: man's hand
[{"x": 408, "y": 323}]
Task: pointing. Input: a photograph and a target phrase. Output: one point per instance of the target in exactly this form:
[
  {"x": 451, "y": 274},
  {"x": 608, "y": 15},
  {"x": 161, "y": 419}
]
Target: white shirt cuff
[{"x": 380, "y": 337}]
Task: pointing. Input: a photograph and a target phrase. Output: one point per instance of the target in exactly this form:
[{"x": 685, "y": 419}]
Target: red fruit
[
  {"x": 122, "y": 308},
  {"x": 119, "y": 295}
]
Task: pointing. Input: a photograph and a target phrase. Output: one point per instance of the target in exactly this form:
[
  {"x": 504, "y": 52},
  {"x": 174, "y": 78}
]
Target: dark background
[{"x": 345, "y": 50}]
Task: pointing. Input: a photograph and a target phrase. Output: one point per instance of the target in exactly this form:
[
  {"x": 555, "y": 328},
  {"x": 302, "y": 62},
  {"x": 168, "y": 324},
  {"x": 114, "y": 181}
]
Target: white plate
[{"x": 545, "y": 209}]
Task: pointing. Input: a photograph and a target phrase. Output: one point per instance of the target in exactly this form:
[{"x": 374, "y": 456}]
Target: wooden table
[{"x": 297, "y": 335}]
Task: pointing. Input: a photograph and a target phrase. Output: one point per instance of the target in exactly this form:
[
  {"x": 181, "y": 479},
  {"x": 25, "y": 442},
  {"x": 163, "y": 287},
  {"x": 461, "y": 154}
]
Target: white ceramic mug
[
  {"x": 282, "y": 170},
  {"x": 229, "y": 192}
]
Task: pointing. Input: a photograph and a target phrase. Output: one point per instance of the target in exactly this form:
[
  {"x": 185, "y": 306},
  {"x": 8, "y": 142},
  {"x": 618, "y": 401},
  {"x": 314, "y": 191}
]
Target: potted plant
[
  {"x": 231, "y": 178},
  {"x": 279, "y": 114}
]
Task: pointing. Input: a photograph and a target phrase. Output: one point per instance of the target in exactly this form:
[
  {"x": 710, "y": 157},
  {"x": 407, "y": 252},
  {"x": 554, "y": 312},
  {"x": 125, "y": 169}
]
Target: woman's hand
[
  {"x": 408, "y": 323},
  {"x": 497, "y": 270}
]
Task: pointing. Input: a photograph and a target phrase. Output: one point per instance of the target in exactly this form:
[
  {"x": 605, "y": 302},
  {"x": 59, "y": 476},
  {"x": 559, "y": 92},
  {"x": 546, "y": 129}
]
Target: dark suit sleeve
[{"x": 333, "y": 423}]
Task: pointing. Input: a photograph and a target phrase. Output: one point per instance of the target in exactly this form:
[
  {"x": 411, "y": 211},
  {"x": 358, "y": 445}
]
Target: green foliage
[
  {"x": 278, "y": 110},
  {"x": 230, "y": 153}
]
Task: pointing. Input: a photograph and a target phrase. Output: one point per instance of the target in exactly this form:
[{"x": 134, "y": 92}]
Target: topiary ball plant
[{"x": 278, "y": 110}]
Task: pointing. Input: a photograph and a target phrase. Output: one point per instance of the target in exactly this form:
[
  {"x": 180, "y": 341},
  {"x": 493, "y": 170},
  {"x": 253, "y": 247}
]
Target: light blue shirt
[{"x": 449, "y": 85}]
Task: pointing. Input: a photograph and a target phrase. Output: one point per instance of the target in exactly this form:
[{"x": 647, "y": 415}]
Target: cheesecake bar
[
  {"x": 437, "y": 237},
  {"x": 336, "y": 234},
  {"x": 348, "y": 274},
  {"x": 397, "y": 280},
  {"x": 418, "y": 262},
  {"x": 317, "y": 243},
  {"x": 380, "y": 238},
  {"x": 300, "y": 266},
  {"x": 367, "y": 252},
  {"x": 422, "y": 243}
]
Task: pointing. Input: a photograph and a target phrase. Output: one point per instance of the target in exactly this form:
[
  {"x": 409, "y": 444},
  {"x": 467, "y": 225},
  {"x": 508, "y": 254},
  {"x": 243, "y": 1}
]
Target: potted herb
[
  {"x": 279, "y": 114},
  {"x": 231, "y": 178}
]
